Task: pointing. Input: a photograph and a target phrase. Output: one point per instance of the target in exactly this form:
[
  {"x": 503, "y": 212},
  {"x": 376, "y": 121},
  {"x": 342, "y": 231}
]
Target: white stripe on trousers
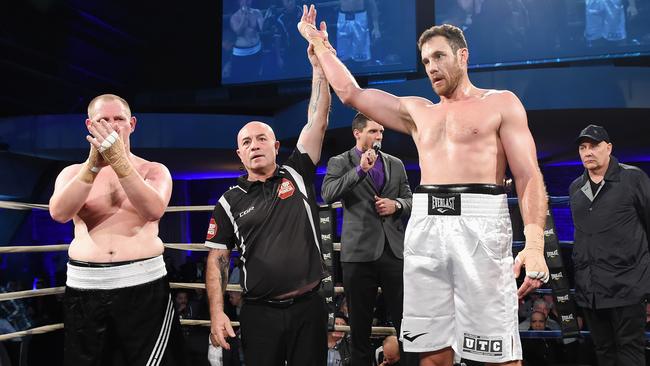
[{"x": 161, "y": 343}]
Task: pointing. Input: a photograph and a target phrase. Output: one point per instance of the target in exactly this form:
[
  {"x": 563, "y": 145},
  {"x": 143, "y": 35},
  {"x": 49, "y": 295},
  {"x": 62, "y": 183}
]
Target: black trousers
[
  {"x": 273, "y": 334},
  {"x": 127, "y": 326},
  {"x": 618, "y": 334},
  {"x": 360, "y": 280}
]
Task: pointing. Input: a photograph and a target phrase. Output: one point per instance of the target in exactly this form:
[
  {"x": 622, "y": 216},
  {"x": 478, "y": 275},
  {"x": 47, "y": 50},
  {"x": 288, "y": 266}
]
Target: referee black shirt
[
  {"x": 274, "y": 225},
  {"x": 610, "y": 255}
]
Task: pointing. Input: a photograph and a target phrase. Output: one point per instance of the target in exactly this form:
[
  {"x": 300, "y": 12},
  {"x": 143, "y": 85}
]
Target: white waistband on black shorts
[{"x": 109, "y": 278}]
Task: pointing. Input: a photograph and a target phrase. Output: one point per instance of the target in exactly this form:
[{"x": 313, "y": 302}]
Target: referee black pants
[
  {"x": 273, "y": 334},
  {"x": 360, "y": 280},
  {"x": 618, "y": 334}
]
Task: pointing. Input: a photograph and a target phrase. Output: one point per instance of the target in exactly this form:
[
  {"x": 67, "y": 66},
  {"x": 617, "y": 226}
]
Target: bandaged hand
[
  {"x": 95, "y": 160},
  {"x": 108, "y": 143},
  {"x": 113, "y": 151},
  {"x": 532, "y": 256},
  {"x": 317, "y": 38}
]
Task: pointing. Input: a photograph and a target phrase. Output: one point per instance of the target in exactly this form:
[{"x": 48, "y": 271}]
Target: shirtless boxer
[
  {"x": 458, "y": 245},
  {"x": 117, "y": 294},
  {"x": 247, "y": 24}
]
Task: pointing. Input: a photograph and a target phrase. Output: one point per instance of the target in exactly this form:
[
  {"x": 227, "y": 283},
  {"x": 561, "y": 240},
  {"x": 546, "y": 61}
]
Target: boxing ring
[
  {"x": 376, "y": 331},
  {"x": 15, "y": 295}
]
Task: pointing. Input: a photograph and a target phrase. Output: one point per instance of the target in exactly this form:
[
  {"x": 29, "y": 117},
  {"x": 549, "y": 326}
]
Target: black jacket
[{"x": 610, "y": 254}]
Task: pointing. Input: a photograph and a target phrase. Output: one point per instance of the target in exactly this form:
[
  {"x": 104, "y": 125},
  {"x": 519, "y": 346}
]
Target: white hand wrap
[
  {"x": 117, "y": 156},
  {"x": 109, "y": 141},
  {"x": 532, "y": 256}
]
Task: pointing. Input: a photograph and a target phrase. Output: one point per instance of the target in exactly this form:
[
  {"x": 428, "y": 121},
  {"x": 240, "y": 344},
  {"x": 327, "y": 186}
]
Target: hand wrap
[
  {"x": 532, "y": 256},
  {"x": 114, "y": 153}
]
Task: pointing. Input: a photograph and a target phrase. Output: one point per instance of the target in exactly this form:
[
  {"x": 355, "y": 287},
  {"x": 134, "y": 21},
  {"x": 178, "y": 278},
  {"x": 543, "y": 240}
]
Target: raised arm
[
  {"x": 216, "y": 280},
  {"x": 73, "y": 185},
  {"x": 150, "y": 194},
  {"x": 311, "y": 137},
  {"x": 238, "y": 21},
  {"x": 378, "y": 105},
  {"x": 521, "y": 154}
]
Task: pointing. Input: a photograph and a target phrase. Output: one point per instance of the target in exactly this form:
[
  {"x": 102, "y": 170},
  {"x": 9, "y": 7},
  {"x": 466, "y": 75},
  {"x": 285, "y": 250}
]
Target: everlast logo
[
  {"x": 327, "y": 279},
  {"x": 324, "y": 220},
  {"x": 564, "y": 298},
  {"x": 549, "y": 232},
  {"x": 326, "y": 236},
  {"x": 552, "y": 254},
  {"x": 444, "y": 204},
  {"x": 481, "y": 345},
  {"x": 556, "y": 276},
  {"x": 327, "y": 256},
  {"x": 567, "y": 318}
]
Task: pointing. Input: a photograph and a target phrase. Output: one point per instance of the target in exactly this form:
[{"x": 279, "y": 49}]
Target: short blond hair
[{"x": 108, "y": 97}]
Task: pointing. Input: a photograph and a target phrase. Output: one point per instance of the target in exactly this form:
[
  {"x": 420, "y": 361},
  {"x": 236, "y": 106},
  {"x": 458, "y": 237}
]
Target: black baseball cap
[{"x": 593, "y": 132}]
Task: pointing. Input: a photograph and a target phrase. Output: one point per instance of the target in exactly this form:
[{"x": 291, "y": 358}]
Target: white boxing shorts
[{"x": 459, "y": 287}]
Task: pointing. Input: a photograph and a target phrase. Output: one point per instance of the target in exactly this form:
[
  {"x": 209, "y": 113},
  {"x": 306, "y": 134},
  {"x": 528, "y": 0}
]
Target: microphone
[{"x": 376, "y": 146}]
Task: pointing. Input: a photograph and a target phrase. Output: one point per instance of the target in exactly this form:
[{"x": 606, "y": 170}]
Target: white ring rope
[
  {"x": 31, "y": 293},
  {"x": 13, "y": 205},
  {"x": 37, "y": 330},
  {"x": 15, "y": 295},
  {"x": 187, "y": 322},
  {"x": 198, "y": 247}
]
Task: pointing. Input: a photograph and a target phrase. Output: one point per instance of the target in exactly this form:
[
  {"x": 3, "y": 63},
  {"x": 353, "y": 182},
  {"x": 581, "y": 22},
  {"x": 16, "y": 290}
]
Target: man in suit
[{"x": 376, "y": 196}]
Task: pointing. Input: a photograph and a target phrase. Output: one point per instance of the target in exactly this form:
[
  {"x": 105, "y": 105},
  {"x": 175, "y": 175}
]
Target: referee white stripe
[
  {"x": 242, "y": 245},
  {"x": 303, "y": 189}
]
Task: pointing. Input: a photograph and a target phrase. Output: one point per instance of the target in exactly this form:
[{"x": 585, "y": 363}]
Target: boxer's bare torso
[
  {"x": 247, "y": 23},
  {"x": 458, "y": 141},
  {"x": 108, "y": 228}
]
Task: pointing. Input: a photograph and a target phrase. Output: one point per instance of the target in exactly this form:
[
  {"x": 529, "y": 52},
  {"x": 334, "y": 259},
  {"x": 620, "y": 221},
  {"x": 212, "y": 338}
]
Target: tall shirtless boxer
[{"x": 458, "y": 245}]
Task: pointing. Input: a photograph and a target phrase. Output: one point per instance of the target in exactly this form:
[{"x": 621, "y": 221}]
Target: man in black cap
[{"x": 610, "y": 204}]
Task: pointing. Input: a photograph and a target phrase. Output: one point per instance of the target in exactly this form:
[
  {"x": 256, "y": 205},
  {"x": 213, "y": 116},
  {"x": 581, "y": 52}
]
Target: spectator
[
  {"x": 388, "y": 353},
  {"x": 338, "y": 346},
  {"x": 543, "y": 307},
  {"x": 610, "y": 205}
]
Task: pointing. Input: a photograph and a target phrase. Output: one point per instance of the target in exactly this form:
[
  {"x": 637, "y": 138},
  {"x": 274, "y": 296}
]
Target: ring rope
[
  {"x": 15, "y": 295},
  {"x": 197, "y": 247},
  {"x": 37, "y": 330},
  {"x": 548, "y": 334},
  {"x": 13, "y": 205},
  {"x": 31, "y": 293},
  {"x": 185, "y": 322}
]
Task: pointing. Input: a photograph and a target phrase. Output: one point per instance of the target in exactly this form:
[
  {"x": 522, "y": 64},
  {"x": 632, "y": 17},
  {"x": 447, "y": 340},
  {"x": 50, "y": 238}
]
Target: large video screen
[
  {"x": 511, "y": 32},
  {"x": 261, "y": 43}
]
